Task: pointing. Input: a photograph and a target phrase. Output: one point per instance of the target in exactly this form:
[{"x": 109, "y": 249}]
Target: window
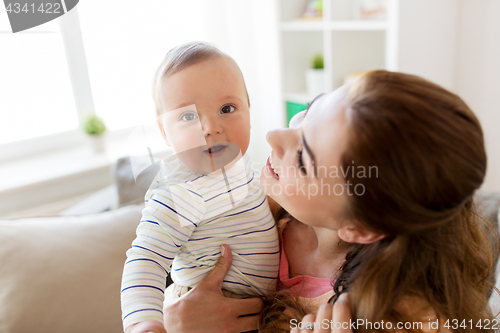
[
  {"x": 36, "y": 97},
  {"x": 124, "y": 53},
  {"x": 103, "y": 61}
]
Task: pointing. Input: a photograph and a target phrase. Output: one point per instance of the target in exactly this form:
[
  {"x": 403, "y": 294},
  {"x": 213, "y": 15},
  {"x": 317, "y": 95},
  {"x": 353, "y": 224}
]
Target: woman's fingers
[
  {"x": 205, "y": 309},
  {"x": 248, "y": 323},
  {"x": 342, "y": 314},
  {"x": 329, "y": 319},
  {"x": 323, "y": 322},
  {"x": 214, "y": 279},
  {"x": 247, "y": 306}
]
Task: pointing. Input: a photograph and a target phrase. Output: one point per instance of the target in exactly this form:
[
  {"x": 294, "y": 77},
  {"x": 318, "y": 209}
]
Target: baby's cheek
[
  {"x": 242, "y": 139},
  {"x": 188, "y": 139}
]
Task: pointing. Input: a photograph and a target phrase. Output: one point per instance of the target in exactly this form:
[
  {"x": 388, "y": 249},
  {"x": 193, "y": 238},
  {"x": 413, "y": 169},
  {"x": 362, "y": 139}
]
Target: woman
[{"x": 419, "y": 254}]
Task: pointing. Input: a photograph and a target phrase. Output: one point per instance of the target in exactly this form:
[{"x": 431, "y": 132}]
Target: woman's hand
[
  {"x": 329, "y": 319},
  {"x": 205, "y": 309}
]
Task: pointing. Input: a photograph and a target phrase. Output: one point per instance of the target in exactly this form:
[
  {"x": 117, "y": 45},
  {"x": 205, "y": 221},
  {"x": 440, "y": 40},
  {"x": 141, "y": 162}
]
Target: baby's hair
[{"x": 178, "y": 58}]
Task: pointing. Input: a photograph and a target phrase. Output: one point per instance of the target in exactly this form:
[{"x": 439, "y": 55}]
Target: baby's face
[{"x": 207, "y": 118}]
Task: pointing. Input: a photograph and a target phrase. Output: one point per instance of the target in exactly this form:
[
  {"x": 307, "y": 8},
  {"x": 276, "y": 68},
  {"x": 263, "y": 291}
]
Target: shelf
[
  {"x": 302, "y": 25},
  {"x": 349, "y": 25},
  {"x": 357, "y": 25},
  {"x": 298, "y": 97},
  {"x": 53, "y": 176}
]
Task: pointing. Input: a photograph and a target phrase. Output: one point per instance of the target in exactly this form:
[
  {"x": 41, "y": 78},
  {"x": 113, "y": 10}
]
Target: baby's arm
[{"x": 165, "y": 226}]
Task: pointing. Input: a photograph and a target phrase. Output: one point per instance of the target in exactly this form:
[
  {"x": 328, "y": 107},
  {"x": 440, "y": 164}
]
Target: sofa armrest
[{"x": 63, "y": 274}]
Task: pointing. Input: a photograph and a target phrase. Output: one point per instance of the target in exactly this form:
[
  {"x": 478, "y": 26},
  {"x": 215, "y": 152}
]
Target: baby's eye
[
  {"x": 189, "y": 116},
  {"x": 227, "y": 109}
]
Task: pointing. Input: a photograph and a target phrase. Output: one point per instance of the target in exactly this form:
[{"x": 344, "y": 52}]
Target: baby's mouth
[{"x": 215, "y": 150}]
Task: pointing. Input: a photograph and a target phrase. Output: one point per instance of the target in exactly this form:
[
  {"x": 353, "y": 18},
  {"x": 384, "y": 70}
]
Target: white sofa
[{"x": 63, "y": 274}]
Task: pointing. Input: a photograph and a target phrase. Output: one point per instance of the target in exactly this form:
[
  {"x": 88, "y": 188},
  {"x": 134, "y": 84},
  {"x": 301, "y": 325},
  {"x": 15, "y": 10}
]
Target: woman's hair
[
  {"x": 178, "y": 58},
  {"x": 428, "y": 147},
  {"x": 282, "y": 306}
]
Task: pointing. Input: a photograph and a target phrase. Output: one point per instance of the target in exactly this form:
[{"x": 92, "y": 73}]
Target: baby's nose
[{"x": 211, "y": 126}]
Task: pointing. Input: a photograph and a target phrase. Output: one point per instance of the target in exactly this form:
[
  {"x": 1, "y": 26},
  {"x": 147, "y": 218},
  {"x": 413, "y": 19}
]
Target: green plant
[
  {"x": 94, "y": 125},
  {"x": 318, "y": 62}
]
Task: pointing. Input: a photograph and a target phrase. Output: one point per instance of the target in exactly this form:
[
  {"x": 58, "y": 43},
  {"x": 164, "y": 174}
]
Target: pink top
[{"x": 303, "y": 285}]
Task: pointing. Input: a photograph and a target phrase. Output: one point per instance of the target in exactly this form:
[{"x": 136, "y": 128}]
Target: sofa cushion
[
  {"x": 488, "y": 204},
  {"x": 63, "y": 274},
  {"x": 130, "y": 189},
  {"x": 495, "y": 295}
]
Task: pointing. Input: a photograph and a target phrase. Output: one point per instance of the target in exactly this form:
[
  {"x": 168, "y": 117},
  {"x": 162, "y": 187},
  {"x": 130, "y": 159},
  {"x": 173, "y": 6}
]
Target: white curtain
[
  {"x": 248, "y": 31},
  {"x": 125, "y": 41}
]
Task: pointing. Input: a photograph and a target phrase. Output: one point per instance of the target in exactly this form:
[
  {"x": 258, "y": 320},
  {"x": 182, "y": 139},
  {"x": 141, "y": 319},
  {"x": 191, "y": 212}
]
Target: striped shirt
[{"x": 186, "y": 219}]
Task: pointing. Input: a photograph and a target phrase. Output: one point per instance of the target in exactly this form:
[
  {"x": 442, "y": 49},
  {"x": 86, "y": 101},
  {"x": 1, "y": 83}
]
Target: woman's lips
[
  {"x": 270, "y": 170},
  {"x": 215, "y": 151}
]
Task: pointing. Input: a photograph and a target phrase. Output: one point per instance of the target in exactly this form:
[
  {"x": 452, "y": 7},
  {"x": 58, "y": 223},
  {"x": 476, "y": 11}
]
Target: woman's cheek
[{"x": 293, "y": 190}]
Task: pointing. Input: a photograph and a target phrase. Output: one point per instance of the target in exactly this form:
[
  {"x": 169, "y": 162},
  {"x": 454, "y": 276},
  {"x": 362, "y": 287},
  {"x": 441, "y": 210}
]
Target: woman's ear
[{"x": 359, "y": 234}]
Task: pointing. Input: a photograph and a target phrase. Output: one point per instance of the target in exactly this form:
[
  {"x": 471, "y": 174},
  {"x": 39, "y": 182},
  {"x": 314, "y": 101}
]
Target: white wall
[
  {"x": 428, "y": 39},
  {"x": 248, "y": 31},
  {"x": 478, "y": 74},
  {"x": 456, "y": 43}
]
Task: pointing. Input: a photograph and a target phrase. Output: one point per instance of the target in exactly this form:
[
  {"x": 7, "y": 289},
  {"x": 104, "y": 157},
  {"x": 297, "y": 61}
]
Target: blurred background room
[
  {"x": 79, "y": 143},
  {"x": 99, "y": 60}
]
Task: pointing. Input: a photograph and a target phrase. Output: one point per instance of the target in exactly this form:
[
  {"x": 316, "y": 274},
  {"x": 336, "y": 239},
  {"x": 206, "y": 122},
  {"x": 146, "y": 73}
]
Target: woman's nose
[
  {"x": 278, "y": 141},
  {"x": 297, "y": 120}
]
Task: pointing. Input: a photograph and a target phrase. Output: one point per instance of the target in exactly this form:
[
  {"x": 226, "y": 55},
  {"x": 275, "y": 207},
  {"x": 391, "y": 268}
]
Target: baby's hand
[{"x": 149, "y": 326}]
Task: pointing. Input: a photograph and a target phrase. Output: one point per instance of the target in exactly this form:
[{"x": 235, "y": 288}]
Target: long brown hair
[{"x": 428, "y": 148}]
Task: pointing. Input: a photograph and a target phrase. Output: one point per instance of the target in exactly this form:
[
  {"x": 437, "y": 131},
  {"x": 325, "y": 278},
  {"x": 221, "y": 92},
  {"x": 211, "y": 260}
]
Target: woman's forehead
[
  {"x": 327, "y": 107},
  {"x": 324, "y": 127}
]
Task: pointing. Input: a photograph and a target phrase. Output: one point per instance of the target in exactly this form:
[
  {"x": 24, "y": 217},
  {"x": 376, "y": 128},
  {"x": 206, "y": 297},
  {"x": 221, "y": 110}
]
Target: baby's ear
[{"x": 162, "y": 130}]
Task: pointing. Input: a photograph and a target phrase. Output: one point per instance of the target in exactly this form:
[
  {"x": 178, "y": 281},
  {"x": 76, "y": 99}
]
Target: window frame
[{"x": 70, "y": 32}]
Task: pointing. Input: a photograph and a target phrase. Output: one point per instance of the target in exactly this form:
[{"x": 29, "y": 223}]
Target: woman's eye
[
  {"x": 189, "y": 116},
  {"x": 227, "y": 109},
  {"x": 300, "y": 163}
]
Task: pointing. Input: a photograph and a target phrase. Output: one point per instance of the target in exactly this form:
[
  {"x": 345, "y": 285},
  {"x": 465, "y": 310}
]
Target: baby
[{"x": 205, "y": 195}]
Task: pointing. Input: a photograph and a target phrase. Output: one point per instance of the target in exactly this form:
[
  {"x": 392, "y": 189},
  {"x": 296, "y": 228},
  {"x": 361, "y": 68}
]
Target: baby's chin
[{"x": 205, "y": 160}]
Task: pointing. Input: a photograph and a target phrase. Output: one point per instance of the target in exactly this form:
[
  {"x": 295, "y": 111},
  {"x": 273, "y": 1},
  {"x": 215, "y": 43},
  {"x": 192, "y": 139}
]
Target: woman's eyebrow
[
  {"x": 315, "y": 98},
  {"x": 304, "y": 140},
  {"x": 306, "y": 146}
]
